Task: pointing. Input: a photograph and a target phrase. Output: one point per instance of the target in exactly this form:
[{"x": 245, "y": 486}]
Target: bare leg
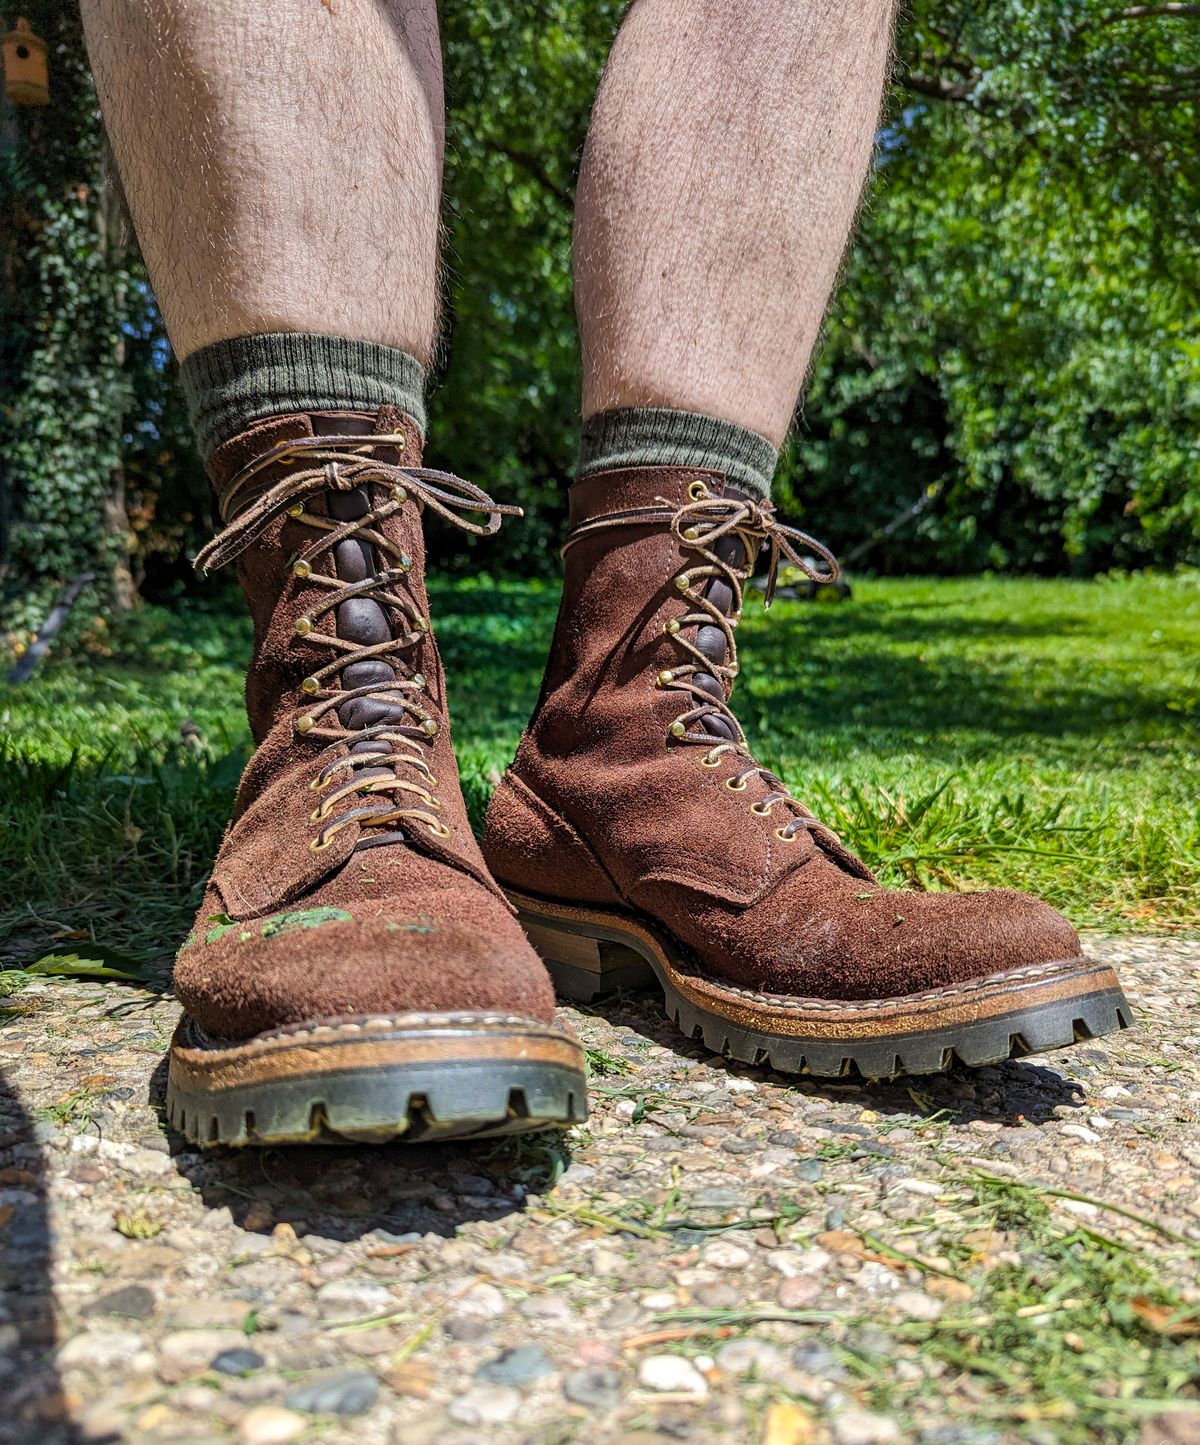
[
  {"x": 282, "y": 162},
  {"x": 721, "y": 176}
]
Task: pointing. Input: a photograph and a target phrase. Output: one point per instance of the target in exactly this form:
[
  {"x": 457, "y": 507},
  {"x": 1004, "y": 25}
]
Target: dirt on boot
[
  {"x": 639, "y": 838},
  {"x": 354, "y": 971}
]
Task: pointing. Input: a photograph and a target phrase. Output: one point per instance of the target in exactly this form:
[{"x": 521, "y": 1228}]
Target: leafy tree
[{"x": 1015, "y": 346}]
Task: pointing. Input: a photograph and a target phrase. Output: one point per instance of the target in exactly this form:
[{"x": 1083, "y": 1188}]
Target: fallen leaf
[
  {"x": 788, "y": 1425},
  {"x": 1164, "y": 1320}
]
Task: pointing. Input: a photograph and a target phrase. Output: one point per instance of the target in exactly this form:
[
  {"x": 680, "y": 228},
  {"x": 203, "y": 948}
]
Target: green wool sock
[
  {"x": 232, "y": 383},
  {"x": 637, "y": 436}
]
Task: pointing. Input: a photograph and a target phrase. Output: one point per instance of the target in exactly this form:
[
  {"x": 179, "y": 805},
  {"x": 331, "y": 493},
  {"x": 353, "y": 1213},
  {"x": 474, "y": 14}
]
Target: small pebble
[
  {"x": 270, "y": 1425},
  {"x": 596, "y": 1387},
  {"x": 862, "y": 1427},
  {"x": 351, "y": 1393},
  {"x": 520, "y": 1366},
  {"x": 134, "y": 1301},
  {"x": 671, "y": 1374},
  {"x": 916, "y": 1304},
  {"x": 486, "y": 1405},
  {"x": 723, "y": 1254},
  {"x": 238, "y": 1362}
]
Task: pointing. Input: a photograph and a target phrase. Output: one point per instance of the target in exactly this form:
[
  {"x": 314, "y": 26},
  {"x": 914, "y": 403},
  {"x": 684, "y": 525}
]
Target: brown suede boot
[
  {"x": 354, "y": 971},
  {"x": 639, "y": 838}
]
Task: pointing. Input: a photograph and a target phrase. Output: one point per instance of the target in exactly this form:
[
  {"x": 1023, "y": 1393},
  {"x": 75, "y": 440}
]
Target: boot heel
[{"x": 584, "y": 968}]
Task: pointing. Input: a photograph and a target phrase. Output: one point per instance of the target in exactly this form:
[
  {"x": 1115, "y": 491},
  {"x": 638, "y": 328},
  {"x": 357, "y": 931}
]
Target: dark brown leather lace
[
  {"x": 341, "y": 463},
  {"x": 699, "y": 525}
]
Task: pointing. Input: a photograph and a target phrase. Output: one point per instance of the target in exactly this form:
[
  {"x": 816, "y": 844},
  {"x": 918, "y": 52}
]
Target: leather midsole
[
  {"x": 215, "y": 1067},
  {"x": 970, "y": 1002}
]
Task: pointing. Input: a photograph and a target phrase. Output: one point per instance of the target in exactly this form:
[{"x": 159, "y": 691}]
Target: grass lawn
[{"x": 958, "y": 733}]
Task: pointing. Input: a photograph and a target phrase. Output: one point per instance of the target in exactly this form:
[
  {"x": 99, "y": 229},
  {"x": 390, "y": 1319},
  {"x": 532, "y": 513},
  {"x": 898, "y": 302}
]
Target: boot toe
[{"x": 383, "y": 957}]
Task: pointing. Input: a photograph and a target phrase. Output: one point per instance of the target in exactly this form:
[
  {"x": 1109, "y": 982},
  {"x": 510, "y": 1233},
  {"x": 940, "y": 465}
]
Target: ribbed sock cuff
[
  {"x": 232, "y": 383},
  {"x": 662, "y": 437}
]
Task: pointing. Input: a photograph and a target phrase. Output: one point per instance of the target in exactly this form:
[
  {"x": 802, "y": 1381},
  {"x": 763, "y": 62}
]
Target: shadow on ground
[
  {"x": 343, "y": 1192},
  {"x": 29, "y": 1383},
  {"x": 1014, "y": 1094}
]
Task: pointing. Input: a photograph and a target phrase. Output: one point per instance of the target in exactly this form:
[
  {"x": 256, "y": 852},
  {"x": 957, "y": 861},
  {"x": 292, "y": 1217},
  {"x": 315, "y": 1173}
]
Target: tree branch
[{"x": 533, "y": 166}]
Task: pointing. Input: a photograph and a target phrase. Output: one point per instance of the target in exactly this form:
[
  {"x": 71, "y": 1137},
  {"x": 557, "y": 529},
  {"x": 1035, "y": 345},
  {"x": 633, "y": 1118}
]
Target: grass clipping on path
[
  {"x": 1048, "y": 1319},
  {"x": 958, "y": 734}
]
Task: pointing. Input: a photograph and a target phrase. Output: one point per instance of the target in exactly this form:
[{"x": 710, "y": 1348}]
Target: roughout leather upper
[
  {"x": 286, "y": 933},
  {"x": 602, "y": 807}
]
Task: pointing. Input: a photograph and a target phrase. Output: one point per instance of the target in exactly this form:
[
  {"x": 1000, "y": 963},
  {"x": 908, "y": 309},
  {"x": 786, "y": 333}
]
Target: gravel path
[{"x": 719, "y": 1255}]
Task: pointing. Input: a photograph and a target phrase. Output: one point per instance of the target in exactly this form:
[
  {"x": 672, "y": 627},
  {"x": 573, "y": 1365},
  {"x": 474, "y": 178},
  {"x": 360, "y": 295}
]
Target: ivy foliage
[{"x": 1014, "y": 357}]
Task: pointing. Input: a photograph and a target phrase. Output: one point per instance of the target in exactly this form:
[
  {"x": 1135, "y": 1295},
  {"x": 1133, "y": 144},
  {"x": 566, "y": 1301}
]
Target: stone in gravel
[
  {"x": 723, "y": 1254},
  {"x": 238, "y": 1361},
  {"x": 716, "y": 1199},
  {"x": 916, "y": 1304},
  {"x": 467, "y": 1329},
  {"x": 134, "y": 1301},
  {"x": 545, "y": 1307},
  {"x": 739, "y": 1357},
  {"x": 187, "y": 1352},
  {"x": 671, "y": 1374},
  {"x": 269, "y": 1425},
  {"x": 520, "y": 1366},
  {"x": 483, "y": 1300},
  {"x": 716, "y": 1295},
  {"x": 350, "y": 1393},
  {"x": 809, "y": 1170},
  {"x": 597, "y": 1388},
  {"x": 862, "y": 1427},
  {"x": 103, "y": 1350},
  {"x": 799, "y": 1292},
  {"x": 348, "y": 1298},
  {"x": 486, "y": 1405},
  {"x": 818, "y": 1359},
  {"x": 622, "y": 1314},
  {"x": 1173, "y": 1427},
  {"x": 876, "y": 1279}
]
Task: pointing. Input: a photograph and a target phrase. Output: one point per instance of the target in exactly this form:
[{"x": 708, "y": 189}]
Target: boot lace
[
  {"x": 699, "y": 525},
  {"x": 341, "y": 463}
]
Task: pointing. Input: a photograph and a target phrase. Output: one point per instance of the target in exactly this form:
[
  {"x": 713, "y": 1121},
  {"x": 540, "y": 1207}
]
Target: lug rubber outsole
[
  {"x": 416, "y": 1078},
  {"x": 1006, "y": 1015}
]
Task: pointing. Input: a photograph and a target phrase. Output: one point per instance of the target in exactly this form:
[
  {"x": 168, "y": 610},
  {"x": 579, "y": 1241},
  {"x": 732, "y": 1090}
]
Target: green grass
[{"x": 957, "y": 733}]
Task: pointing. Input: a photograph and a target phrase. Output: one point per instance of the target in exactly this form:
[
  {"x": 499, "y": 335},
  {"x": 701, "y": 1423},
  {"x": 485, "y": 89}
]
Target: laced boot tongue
[
  {"x": 358, "y": 618},
  {"x": 711, "y": 640}
]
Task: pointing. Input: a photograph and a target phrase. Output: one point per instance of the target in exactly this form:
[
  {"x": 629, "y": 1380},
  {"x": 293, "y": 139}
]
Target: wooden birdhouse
[{"x": 26, "y": 74}]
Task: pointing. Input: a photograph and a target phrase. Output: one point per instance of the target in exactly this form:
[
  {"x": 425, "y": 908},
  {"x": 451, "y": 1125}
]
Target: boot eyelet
[
  {"x": 399, "y": 494},
  {"x": 784, "y": 836},
  {"x": 439, "y": 829},
  {"x": 296, "y": 510},
  {"x": 319, "y": 784},
  {"x": 405, "y": 562},
  {"x": 319, "y": 844},
  {"x": 303, "y": 724},
  {"x": 303, "y": 626},
  {"x": 418, "y": 679},
  {"x": 310, "y": 685},
  {"x": 678, "y": 729},
  {"x": 697, "y": 489},
  {"x": 759, "y": 811},
  {"x": 664, "y": 679},
  {"x": 710, "y": 762},
  {"x": 734, "y": 786},
  {"x": 671, "y": 627},
  {"x": 691, "y": 534},
  {"x": 301, "y": 569},
  {"x": 430, "y": 726},
  {"x": 318, "y": 815},
  {"x": 683, "y": 582}
]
